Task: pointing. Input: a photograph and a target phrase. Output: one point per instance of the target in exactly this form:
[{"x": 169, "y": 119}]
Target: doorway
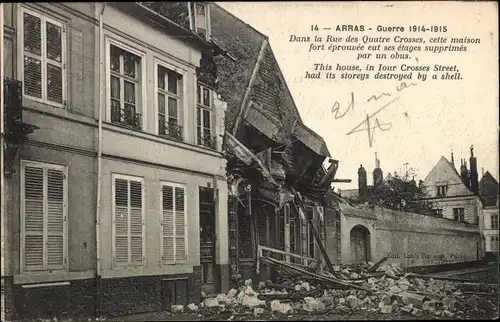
[
  {"x": 207, "y": 238},
  {"x": 360, "y": 251}
]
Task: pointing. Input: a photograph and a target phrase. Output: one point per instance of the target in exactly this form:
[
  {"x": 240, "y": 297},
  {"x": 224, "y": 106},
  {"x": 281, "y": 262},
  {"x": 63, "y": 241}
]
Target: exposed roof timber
[
  {"x": 244, "y": 106},
  {"x": 246, "y": 156}
]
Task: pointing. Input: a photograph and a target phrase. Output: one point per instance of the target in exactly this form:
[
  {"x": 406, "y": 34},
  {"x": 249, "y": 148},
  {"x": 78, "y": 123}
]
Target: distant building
[
  {"x": 488, "y": 189},
  {"x": 454, "y": 196}
]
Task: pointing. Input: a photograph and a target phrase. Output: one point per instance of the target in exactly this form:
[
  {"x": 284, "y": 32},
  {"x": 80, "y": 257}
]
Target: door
[
  {"x": 207, "y": 238},
  {"x": 358, "y": 245}
]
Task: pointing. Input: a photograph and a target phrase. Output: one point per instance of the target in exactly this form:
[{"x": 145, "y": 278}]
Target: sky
[{"x": 429, "y": 120}]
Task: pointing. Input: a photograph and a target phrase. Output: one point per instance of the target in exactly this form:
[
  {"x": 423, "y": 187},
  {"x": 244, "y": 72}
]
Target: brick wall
[
  {"x": 78, "y": 298},
  {"x": 141, "y": 294}
]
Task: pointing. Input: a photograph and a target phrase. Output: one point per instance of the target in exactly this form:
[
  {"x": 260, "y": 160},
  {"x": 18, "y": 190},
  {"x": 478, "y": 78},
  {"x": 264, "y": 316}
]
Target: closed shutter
[
  {"x": 54, "y": 67},
  {"x": 168, "y": 223},
  {"x": 44, "y": 217},
  {"x": 33, "y": 218},
  {"x": 180, "y": 229},
  {"x": 121, "y": 221},
  {"x": 128, "y": 221},
  {"x": 44, "y": 57},
  {"x": 32, "y": 40},
  {"x": 55, "y": 219},
  {"x": 174, "y": 248},
  {"x": 136, "y": 222}
]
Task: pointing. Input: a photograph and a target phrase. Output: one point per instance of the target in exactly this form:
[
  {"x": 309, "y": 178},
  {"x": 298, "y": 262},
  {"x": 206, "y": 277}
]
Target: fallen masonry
[{"x": 387, "y": 290}]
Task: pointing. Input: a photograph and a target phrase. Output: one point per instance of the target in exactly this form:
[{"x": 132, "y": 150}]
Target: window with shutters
[
  {"x": 126, "y": 89},
  {"x": 43, "y": 45},
  {"x": 43, "y": 216},
  {"x": 173, "y": 223},
  {"x": 128, "y": 221},
  {"x": 169, "y": 104}
]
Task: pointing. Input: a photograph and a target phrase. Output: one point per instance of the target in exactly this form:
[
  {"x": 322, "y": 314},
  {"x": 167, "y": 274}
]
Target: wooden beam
[{"x": 300, "y": 203}]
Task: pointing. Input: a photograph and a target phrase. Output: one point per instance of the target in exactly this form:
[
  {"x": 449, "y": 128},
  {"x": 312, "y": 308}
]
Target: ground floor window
[{"x": 44, "y": 233}]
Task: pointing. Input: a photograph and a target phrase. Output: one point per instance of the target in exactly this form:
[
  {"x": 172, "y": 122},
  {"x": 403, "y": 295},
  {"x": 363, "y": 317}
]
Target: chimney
[
  {"x": 474, "y": 181},
  {"x": 362, "y": 184},
  {"x": 464, "y": 173},
  {"x": 378, "y": 176},
  {"x": 452, "y": 158}
]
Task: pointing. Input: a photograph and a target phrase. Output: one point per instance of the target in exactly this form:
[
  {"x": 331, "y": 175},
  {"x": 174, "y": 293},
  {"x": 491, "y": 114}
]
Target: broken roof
[{"x": 255, "y": 76}]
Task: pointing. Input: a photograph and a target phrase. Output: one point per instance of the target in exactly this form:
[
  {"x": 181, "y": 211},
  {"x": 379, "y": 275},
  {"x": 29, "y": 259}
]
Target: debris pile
[{"x": 383, "y": 290}]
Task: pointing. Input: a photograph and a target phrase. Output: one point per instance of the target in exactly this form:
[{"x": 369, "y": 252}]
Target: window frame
[
  {"x": 45, "y": 166},
  {"x": 202, "y": 107},
  {"x": 310, "y": 236},
  {"x": 182, "y": 96},
  {"x": 175, "y": 261},
  {"x": 44, "y": 17},
  {"x": 129, "y": 263},
  {"x": 459, "y": 215},
  {"x": 207, "y": 18},
  {"x": 142, "y": 100},
  {"x": 491, "y": 221},
  {"x": 444, "y": 187}
]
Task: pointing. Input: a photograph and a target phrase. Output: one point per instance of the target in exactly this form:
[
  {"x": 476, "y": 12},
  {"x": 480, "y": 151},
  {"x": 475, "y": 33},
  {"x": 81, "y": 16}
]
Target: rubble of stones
[{"x": 391, "y": 292}]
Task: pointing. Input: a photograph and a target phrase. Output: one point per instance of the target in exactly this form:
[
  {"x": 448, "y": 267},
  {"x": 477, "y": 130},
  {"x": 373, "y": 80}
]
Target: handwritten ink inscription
[{"x": 372, "y": 122}]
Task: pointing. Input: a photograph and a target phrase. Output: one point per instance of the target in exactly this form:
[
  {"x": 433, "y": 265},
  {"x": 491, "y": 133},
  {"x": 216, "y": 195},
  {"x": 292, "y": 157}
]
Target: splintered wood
[{"x": 317, "y": 278}]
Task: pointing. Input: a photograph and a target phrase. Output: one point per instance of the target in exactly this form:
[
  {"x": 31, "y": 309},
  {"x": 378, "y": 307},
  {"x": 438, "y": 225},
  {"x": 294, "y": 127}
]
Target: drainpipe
[
  {"x": 217, "y": 240},
  {"x": 3, "y": 210},
  {"x": 99, "y": 158}
]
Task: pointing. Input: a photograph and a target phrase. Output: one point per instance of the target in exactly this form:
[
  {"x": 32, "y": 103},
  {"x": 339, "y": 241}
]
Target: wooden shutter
[
  {"x": 136, "y": 222},
  {"x": 55, "y": 65},
  {"x": 167, "y": 223},
  {"x": 180, "y": 228},
  {"x": 128, "y": 221},
  {"x": 33, "y": 218},
  {"x": 55, "y": 219},
  {"x": 32, "y": 40},
  {"x": 173, "y": 224},
  {"x": 121, "y": 221},
  {"x": 44, "y": 63},
  {"x": 44, "y": 217}
]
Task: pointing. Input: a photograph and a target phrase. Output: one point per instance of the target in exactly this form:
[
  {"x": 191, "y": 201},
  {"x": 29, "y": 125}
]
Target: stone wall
[{"x": 412, "y": 239}]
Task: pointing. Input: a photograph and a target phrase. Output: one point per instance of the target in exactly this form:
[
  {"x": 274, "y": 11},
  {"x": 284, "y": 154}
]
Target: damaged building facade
[{"x": 276, "y": 177}]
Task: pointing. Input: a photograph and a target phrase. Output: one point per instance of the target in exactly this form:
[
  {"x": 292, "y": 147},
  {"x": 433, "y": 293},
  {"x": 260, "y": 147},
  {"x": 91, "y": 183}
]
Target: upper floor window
[
  {"x": 441, "y": 190},
  {"x": 458, "y": 214},
  {"x": 201, "y": 19},
  {"x": 44, "y": 60},
  {"x": 125, "y": 87},
  {"x": 494, "y": 221},
  {"x": 169, "y": 103},
  {"x": 44, "y": 193},
  {"x": 204, "y": 117}
]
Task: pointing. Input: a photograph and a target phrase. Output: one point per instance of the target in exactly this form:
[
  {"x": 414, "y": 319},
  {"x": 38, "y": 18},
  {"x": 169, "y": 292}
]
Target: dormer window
[
  {"x": 441, "y": 190},
  {"x": 201, "y": 24}
]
